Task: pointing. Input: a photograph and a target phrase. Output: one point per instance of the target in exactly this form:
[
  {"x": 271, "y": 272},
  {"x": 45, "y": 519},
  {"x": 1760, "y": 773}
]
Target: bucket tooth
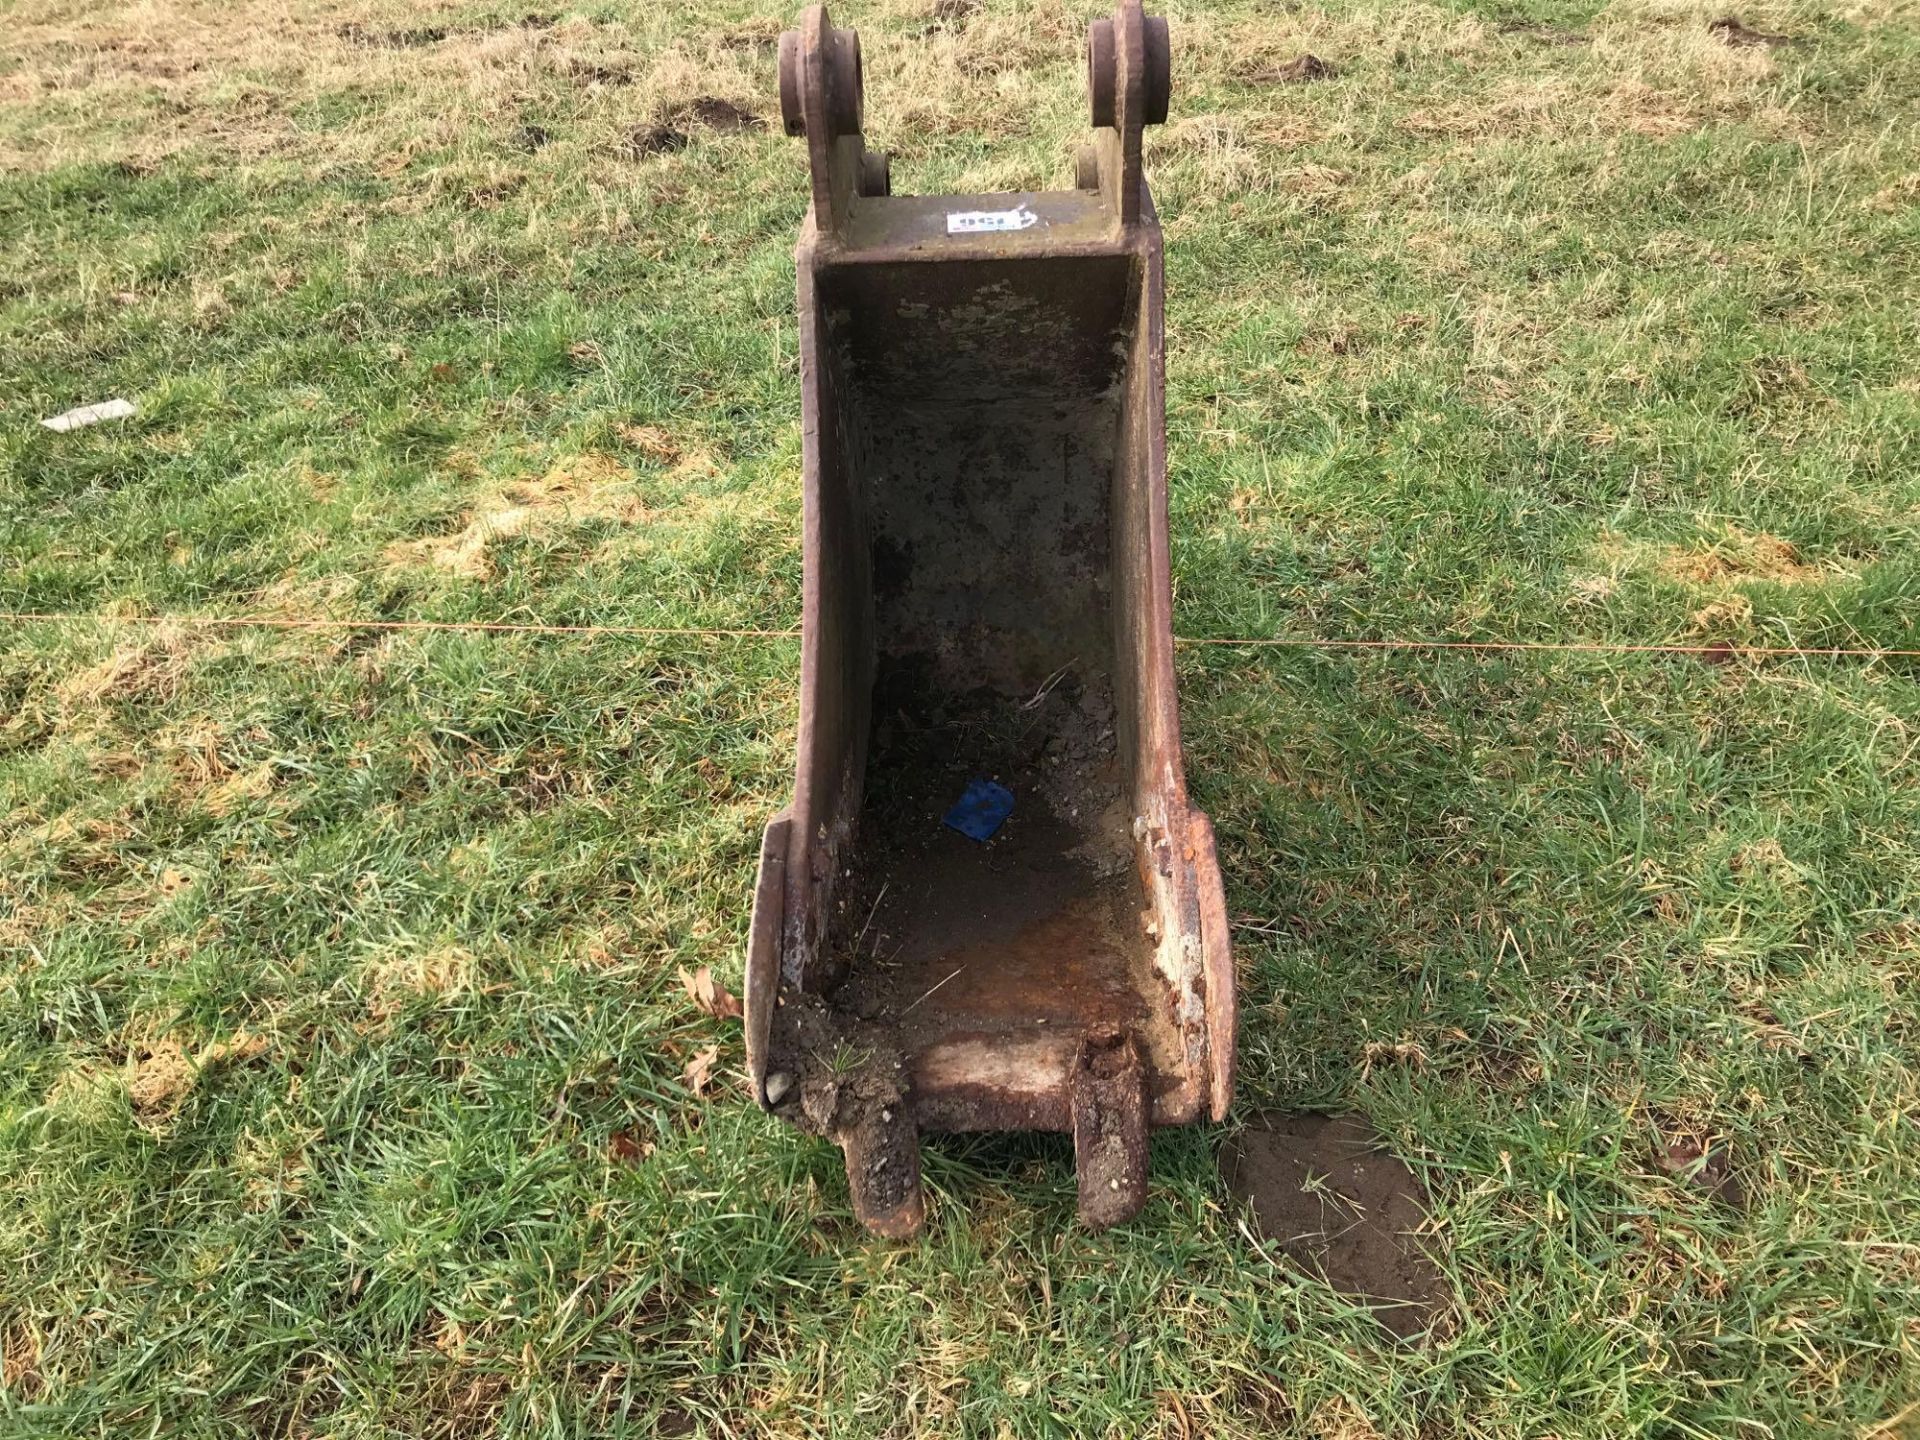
[
  {"x": 883, "y": 1174},
  {"x": 1109, "y": 1093},
  {"x": 990, "y": 904}
]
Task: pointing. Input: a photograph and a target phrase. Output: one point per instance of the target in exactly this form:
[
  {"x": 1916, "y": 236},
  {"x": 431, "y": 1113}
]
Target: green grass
[{"x": 1488, "y": 335}]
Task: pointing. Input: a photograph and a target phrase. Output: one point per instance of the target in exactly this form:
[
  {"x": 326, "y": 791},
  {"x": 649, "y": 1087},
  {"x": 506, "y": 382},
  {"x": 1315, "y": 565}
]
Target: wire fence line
[{"x": 1718, "y": 651}]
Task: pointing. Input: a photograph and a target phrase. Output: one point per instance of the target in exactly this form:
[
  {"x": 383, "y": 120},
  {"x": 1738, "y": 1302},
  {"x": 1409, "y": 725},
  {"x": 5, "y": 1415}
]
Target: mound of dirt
[
  {"x": 1729, "y": 30},
  {"x": 674, "y": 130},
  {"x": 1301, "y": 70}
]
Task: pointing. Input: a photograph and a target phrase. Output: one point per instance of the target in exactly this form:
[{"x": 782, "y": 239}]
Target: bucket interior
[{"x": 981, "y": 407}]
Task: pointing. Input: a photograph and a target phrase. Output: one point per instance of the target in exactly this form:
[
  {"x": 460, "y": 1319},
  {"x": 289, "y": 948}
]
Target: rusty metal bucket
[{"x": 987, "y": 599}]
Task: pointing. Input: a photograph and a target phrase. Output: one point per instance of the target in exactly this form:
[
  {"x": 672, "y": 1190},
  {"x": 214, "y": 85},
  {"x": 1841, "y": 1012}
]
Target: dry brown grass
[
  {"x": 20, "y": 1361},
  {"x": 197, "y": 758},
  {"x": 1903, "y": 192},
  {"x": 84, "y": 847},
  {"x": 398, "y": 977},
  {"x": 161, "y": 1073},
  {"x": 1225, "y": 157},
  {"x": 1722, "y": 617},
  {"x": 1739, "y": 557},
  {"x": 1342, "y": 1419},
  {"x": 1243, "y": 48},
  {"x": 1560, "y": 109},
  {"x": 578, "y": 488},
  {"x": 232, "y": 78},
  {"x": 158, "y": 1074},
  {"x": 1717, "y": 567},
  {"x": 911, "y": 88},
  {"x": 149, "y": 669}
]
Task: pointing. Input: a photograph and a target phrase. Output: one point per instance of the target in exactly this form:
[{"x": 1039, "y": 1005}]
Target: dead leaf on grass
[
  {"x": 699, "y": 1071},
  {"x": 628, "y": 1148},
  {"x": 1705, "y": 1165},
  {"x": 709, "y": 994}
]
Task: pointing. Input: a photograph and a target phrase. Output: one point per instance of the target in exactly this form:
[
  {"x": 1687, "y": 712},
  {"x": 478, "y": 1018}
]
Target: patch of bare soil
[
  {"x": 945, "y": 15},
  {"x": 1704, "y": 1164},
  {"x": 409, "y": 39},
  {"x": 1298, "y": 71},
  {"x": 1730, "y": 31},
  {"x": 656, "y": 140},
  {"x": 1554, "y": 35},
  {"x": 673, "y": 131},
  {"x": 1340, "y": 1207},
  {"x": 711, "y": 113},
  {"x": 599, "y": 72}
]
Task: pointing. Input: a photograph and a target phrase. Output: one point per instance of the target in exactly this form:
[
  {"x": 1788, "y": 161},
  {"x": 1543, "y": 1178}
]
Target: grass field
[{"x": 342, "y": 1058}]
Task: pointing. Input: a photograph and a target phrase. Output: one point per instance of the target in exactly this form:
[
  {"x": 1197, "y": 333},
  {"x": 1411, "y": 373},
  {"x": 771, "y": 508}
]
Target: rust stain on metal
[{"x": 987, "y": 594}]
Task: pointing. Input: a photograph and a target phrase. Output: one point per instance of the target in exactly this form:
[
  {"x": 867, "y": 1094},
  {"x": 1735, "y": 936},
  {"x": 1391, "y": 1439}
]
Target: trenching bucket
[{"x": 989, "y": 905}]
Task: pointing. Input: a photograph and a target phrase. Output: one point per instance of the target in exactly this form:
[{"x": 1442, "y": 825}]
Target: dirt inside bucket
[
  {"x": 953, "y": 948},
  {"x": 1326, "y": 1191}
]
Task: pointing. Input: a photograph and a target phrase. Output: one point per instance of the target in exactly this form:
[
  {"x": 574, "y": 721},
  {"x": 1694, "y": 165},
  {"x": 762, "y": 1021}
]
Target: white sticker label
[{"x": 979, "y": 222}]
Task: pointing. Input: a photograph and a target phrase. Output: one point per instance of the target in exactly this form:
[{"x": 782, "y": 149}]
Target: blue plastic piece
[{"x": 979, "y": 812}]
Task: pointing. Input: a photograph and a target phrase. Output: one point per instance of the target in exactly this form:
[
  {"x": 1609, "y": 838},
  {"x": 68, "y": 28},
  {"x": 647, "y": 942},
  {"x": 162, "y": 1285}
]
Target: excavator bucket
[{"x": 989, "y": 905}]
